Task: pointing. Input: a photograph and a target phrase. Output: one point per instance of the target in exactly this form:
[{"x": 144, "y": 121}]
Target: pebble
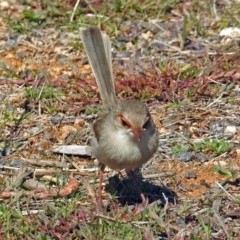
[
  {"x": 39, "y": 147},
  {"x": 13, "y": 35},
  {"x": 11, "y": 44},
  {"x": 64, "y": 60},
  {"x": 157, "y": 45},
  {"x": 79, "y": 122},
  {"x": 48, "y": 152},
  {"x": 230, "y": 130},
  {"x": 180, "y": 222},
  {"x": 190, "y": 174},
  {"x": 123, "y": 39},
  {"x": 18, "y": 163},
  {"x": 233, "y": 32},
  {"x": 47, "y": 136},
  {"x": 34, "y": 130},
  {"x": 37, "y": 33},
  {"x": 123, "y": 55},
  {"x": 238, "y": 152},
  {"x": 220, "y": 163},
  {"x": 147, "y": 35},
  {"x": 185, "y": 156},
  {"x": 55, "y": 119},
  {"x": 3, "y": 162},
  {"x": 155, "y": 26},
  {"x": 201, "y": 157},
  {"x": 190, "y": 218},
  {"x": 217, "y": 127},
  {"x": 22, "y": 55},
  {"x": 4, "y": 5},
  {"x": 5, "y": 152}
]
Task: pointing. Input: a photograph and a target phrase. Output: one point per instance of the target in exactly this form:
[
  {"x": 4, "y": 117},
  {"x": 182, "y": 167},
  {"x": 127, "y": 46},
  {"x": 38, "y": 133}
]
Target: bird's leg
[{"x": 144, "y": 200}]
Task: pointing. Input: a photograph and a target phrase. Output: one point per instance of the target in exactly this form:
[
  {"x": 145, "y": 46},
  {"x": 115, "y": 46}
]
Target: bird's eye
[
  {"x": 147, "y": 120},
  {"x": 124, "y": 122}
]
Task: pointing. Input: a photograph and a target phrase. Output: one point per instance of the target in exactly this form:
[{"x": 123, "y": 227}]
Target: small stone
[
  {"x": 3, "y": 162},
  {"x": 220, "y": 163},
  {"x": 217, "y": 127},
  {"x": 157, "y": 45},
  {"x": 5, "y": 152},
  {"x": 123, "y": 55},
  {"x": 123, "y": 39},
  {"x": 147, "y": 35},
  {"x": 190, "y": 174},
  {"x": 66, "y": 131},
  {"x": 26, "y": 134},
  {"x": 18, "y": 163},
  {"x": 48, "y": 152},
  {"x": 185, "y": 156},
  {"x": 4, "y": 5},
  {"x": 55, "y": 119},
  {"x": 34, "y": 130},
  {"x": 238, "y": 151},
  {"x": 22, "y": 55},
  {"x": 232, "y": 32},
  {"x": 37, "y": 33},
  {"x": 129, "y": 46},
  {"x": 62, "y": 60},
  {"x": 39, "y": 148},
  {"x": 230, "y": 130},
  {"x": 13, "y": 35},
  {"x": 47, "y": 136},
  {"x": 144, "y": 24},
  {"x": 201, "y": 157},
  {"x": 79, "y": 122},
  {"x": 180, "y": 222}
]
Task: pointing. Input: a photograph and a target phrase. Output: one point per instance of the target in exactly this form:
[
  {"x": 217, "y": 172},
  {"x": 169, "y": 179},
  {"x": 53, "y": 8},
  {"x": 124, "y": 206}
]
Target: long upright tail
[{"x": 98, "y": 49}]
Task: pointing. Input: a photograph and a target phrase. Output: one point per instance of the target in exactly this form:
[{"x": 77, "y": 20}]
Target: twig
[
  {"x": 209, "y": 105},
  {"x": 188, "y": 140},
  {"x": 42, "y": 172},
  {"x": 220, "y": 186},
  {"x": 51, "y": 179},
  {"x": 47, "y": 163},
  {"x": 76, "y": 166},
  {"x": 215, "y": 10},
  {"x": 157, "y": 175},
  {"x": 218, "y": 157},
  {"x": 74, "y": 10},
  {"x": 25, "y": 213},
  {"x": 221, "y": 223},
  {"x": 40, "y": 193},
  {"x": 91, "y": 193}
]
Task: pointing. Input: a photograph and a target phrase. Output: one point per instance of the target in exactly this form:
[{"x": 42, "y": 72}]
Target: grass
[
  {"x": 178, "y": 79},
  {"x": 45, "y": 92},
  {"x": 215, "y": 146},
  {"x": 229, "y": 174}
]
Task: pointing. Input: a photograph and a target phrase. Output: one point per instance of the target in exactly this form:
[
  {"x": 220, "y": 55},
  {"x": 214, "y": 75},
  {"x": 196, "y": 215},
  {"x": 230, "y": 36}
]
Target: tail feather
[{"x": 98, "y": 49}]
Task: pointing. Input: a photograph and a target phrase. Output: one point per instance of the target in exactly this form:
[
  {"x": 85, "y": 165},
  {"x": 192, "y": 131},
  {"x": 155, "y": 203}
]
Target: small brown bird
[{"x": 125, "y": 135}]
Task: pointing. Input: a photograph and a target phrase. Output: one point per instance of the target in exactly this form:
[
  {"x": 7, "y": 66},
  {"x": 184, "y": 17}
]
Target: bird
[{"x": 125, "y": 136}]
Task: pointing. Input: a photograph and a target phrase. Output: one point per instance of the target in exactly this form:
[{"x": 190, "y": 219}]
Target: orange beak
[{"x": 137, "y": 133}]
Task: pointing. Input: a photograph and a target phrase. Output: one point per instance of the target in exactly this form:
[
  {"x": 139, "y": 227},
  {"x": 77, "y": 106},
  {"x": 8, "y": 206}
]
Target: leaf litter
[{"x": 188, "y": 76}]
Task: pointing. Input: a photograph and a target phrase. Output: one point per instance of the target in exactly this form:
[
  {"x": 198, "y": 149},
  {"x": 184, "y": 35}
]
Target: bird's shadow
[{"x": 127, "y": 193}]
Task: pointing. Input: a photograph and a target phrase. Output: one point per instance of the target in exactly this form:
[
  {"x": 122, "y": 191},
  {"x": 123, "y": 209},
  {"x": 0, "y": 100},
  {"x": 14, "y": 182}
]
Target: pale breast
[{"x": 125, "y": 151}]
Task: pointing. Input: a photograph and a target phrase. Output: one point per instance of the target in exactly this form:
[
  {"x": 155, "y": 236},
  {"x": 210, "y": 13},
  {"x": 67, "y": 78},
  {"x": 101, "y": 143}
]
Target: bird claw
[{"x": 140, "y": 207}]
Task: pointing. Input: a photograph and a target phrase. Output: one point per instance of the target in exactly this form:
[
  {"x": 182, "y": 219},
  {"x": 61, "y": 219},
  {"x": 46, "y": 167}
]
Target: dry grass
[{"x": 166, "y": 54}]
